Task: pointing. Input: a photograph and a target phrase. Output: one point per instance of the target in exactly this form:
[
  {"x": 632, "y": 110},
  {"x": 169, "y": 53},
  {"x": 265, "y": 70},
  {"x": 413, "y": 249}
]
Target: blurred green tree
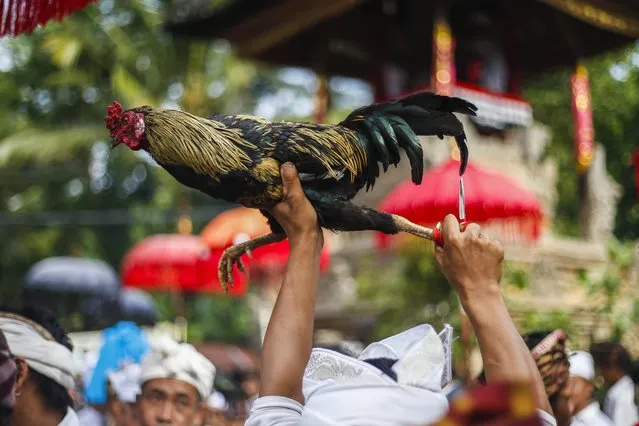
[{"x": 614, "y": 81}]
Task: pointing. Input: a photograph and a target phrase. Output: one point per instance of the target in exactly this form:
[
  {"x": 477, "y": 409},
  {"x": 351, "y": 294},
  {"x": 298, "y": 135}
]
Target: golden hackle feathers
[
  {"x": 173, "y": 135},
  {"x": 344, "y": 150},
  {"x": 338, "y": 149}
]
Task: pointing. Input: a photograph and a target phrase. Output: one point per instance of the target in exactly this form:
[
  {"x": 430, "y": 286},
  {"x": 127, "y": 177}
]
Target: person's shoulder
[{"x": 275, "y": 410}]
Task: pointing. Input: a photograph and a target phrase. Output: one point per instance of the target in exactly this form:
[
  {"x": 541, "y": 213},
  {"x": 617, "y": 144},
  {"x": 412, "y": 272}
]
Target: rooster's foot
[{"x": 233, "y": 254}]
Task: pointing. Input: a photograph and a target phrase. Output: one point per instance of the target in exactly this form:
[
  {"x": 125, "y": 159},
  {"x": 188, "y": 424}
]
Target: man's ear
[{"x": 22, "y": 369}]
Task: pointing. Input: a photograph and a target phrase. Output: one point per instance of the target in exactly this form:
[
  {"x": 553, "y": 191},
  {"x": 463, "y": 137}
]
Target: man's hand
[
  {"x": 295, "y": 213},
  {"x": 471, "y": 262}
]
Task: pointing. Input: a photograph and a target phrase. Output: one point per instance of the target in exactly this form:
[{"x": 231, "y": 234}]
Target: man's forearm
[
  {"x": 505, "y": 355},
  {"x": 289, "y": 336}
]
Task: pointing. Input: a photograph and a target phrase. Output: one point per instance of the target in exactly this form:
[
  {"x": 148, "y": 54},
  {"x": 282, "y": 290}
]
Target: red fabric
[
  {"x": 495, "y": 404},
  {"x": 23, "y": 16},
  {"x": 222, "y": 231},
  {"x": 489, "y": 196},
  {"x": 176, "y": 263}
]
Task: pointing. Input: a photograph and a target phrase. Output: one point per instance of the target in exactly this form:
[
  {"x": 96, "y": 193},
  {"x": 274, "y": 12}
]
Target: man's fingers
[
  {"x": 473, "y": 229},
  {"x": 450, "y": 228},
  {"x": 290, "y": 180}
]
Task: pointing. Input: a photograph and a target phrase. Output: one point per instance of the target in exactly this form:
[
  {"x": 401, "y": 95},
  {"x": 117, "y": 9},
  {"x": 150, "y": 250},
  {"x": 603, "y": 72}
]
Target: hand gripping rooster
[{"x": 237, "y": 158}]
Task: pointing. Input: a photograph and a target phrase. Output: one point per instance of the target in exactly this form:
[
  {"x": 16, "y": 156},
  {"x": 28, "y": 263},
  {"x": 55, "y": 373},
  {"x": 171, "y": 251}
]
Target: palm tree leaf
[{"x": 43, "y": 146}]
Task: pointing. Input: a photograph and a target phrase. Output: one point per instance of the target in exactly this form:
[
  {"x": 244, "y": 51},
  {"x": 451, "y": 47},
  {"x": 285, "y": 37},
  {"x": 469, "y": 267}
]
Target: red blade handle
[{"x": 438, "y": 237}]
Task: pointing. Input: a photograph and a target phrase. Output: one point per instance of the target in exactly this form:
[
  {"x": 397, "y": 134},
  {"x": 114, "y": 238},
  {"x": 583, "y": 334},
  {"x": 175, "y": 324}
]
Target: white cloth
[
  {"x": 70, "y": 419},
  {"x": 340, "y": 390},
  {"x": 619, "y": 403},
  {"x": 180, "y": 361},
  {"x": 39, "y": 349},
  {"x": 546, "y": 418},
  {"x": 89, "y": 416},
  {"x": 591, "y": 416},
  {"x": 582, "y": 365},
  {"x": 280, "y": 411},
  {"x": 216, "y": 400},
  {"x": 126, "y": 382}
]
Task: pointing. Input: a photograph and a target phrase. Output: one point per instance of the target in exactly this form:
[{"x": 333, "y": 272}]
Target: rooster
[{"x": 237, "y": 158}]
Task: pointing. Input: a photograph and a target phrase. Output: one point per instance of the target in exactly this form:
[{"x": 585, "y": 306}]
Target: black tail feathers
[{"x": 384, "y": 128}]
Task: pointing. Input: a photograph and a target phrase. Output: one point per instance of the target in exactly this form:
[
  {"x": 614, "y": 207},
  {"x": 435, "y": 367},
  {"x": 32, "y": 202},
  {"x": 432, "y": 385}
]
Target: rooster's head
[{"x": 126, "y": 127}]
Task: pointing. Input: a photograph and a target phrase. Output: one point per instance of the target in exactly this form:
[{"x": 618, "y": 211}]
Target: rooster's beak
[{"x": 115, "y": 143}]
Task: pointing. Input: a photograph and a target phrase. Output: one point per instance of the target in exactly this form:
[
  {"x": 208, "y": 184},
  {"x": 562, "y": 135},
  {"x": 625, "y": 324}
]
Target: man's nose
[{"x": 166, "y": 414}]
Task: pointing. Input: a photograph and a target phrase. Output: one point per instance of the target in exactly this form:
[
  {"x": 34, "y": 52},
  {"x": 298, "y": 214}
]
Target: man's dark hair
[
  {"x": 533, "y": 339},
  {"x": 54, "y": 395},
  {"x": 612, "y": 354}
]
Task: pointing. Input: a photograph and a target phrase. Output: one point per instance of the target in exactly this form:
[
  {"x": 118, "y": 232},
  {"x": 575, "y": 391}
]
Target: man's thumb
[{"x": 289, "y": 178}]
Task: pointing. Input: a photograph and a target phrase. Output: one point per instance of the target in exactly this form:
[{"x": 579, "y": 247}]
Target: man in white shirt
[
  {"x": 586, "y": 412},
  {"x": 45, "y": 365},
  {"x": 397, "y": 380},
  {"x": 613, "y": 362}
]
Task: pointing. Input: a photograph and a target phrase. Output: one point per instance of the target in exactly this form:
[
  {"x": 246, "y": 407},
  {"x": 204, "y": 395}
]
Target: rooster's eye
[{"x": 126, "y": 119}]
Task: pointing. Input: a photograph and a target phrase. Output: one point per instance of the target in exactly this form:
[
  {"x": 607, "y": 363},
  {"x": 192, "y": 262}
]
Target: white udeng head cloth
[
  {"x": 180, "y": 361},
  {"x": 28, "y": 340},
  {"x": 126, "y": 382},
  {"x": 340, "y": 390},
  {"x": 582, "y": 365}
]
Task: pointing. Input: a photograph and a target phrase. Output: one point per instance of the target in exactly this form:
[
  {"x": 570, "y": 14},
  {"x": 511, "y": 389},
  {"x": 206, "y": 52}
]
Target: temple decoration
[
  {"x": 443, "y": 78},
  {"x": 602, "y": 17},
  {"x": 582, "y": 116},
  {"x": 496, "y": 110}
]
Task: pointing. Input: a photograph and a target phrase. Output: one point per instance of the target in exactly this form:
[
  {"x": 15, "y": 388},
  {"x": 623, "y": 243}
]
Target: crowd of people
[{"x": 404, "y": 379}]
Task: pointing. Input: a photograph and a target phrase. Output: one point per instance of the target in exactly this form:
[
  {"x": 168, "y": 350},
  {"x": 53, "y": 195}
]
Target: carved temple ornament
[{"x": 601, "y": 16}]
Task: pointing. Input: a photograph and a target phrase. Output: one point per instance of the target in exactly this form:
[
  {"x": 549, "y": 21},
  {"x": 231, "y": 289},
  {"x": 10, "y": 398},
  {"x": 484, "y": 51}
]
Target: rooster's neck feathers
[{"x": 173, "y": 138}]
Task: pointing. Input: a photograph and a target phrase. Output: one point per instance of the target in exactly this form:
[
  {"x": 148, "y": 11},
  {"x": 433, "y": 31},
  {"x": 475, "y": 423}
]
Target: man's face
[
  {"x": 581, "y": 391},
  {"x": 169, "y": 402}
]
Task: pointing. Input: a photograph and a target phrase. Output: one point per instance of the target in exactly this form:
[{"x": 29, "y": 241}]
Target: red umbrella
[
  {"x": 491, "y": 199},
  {"x": 243, "y": 223},
  {"x": 176, "y": 263},
  {"x": 23, "y": 16}
]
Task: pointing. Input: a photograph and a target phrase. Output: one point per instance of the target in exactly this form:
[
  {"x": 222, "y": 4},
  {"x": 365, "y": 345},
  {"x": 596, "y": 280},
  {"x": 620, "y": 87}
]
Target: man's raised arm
[
  {"x": 473, "y": 264},
  {"x": 289, "y": 336}
]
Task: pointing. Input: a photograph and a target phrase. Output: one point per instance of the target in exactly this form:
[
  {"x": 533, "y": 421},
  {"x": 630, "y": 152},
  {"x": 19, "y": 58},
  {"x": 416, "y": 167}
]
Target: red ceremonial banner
[
  {"x": 582, "y": 116},
  {"x": 443, "y": 58}
]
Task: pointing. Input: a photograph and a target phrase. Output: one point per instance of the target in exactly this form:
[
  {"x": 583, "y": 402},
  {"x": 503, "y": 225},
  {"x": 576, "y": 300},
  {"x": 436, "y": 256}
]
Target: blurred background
[{"x": 103, "y": 235}]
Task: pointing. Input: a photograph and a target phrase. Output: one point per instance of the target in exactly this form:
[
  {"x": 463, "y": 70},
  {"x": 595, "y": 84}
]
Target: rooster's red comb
[{"x": 114, "y": 111}]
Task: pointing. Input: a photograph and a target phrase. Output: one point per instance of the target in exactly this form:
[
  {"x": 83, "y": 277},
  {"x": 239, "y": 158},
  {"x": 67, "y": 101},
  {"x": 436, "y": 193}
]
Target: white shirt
[
  {"x": 591, "y": 416},
  {"x": 280, "y": 411},
  {"x": 89, "y": 416},
  {"x": 71, "y": 419},
  {"x": 619, "y": 403}
]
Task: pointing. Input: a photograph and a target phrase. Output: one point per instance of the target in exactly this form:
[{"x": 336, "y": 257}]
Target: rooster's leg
[
  {"x": 405, "y": 225},
  {"x": 232, "y": 255}
]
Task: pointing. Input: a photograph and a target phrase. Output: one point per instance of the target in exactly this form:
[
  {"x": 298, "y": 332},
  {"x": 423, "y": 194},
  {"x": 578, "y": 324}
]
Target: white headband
[
  {"x": 32, "y": 342},
  {"x": 180, "y": 361}
]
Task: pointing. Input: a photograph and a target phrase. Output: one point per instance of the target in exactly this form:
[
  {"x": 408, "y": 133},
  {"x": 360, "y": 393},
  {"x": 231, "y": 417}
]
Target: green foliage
[
  {"x": 412, "y": 290},
  {"x": 535, "y": 321},
  {"x": 615, "y": 111},
  {"x": 515, "y": 275},
  {"x": 610, "y": 284}
]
